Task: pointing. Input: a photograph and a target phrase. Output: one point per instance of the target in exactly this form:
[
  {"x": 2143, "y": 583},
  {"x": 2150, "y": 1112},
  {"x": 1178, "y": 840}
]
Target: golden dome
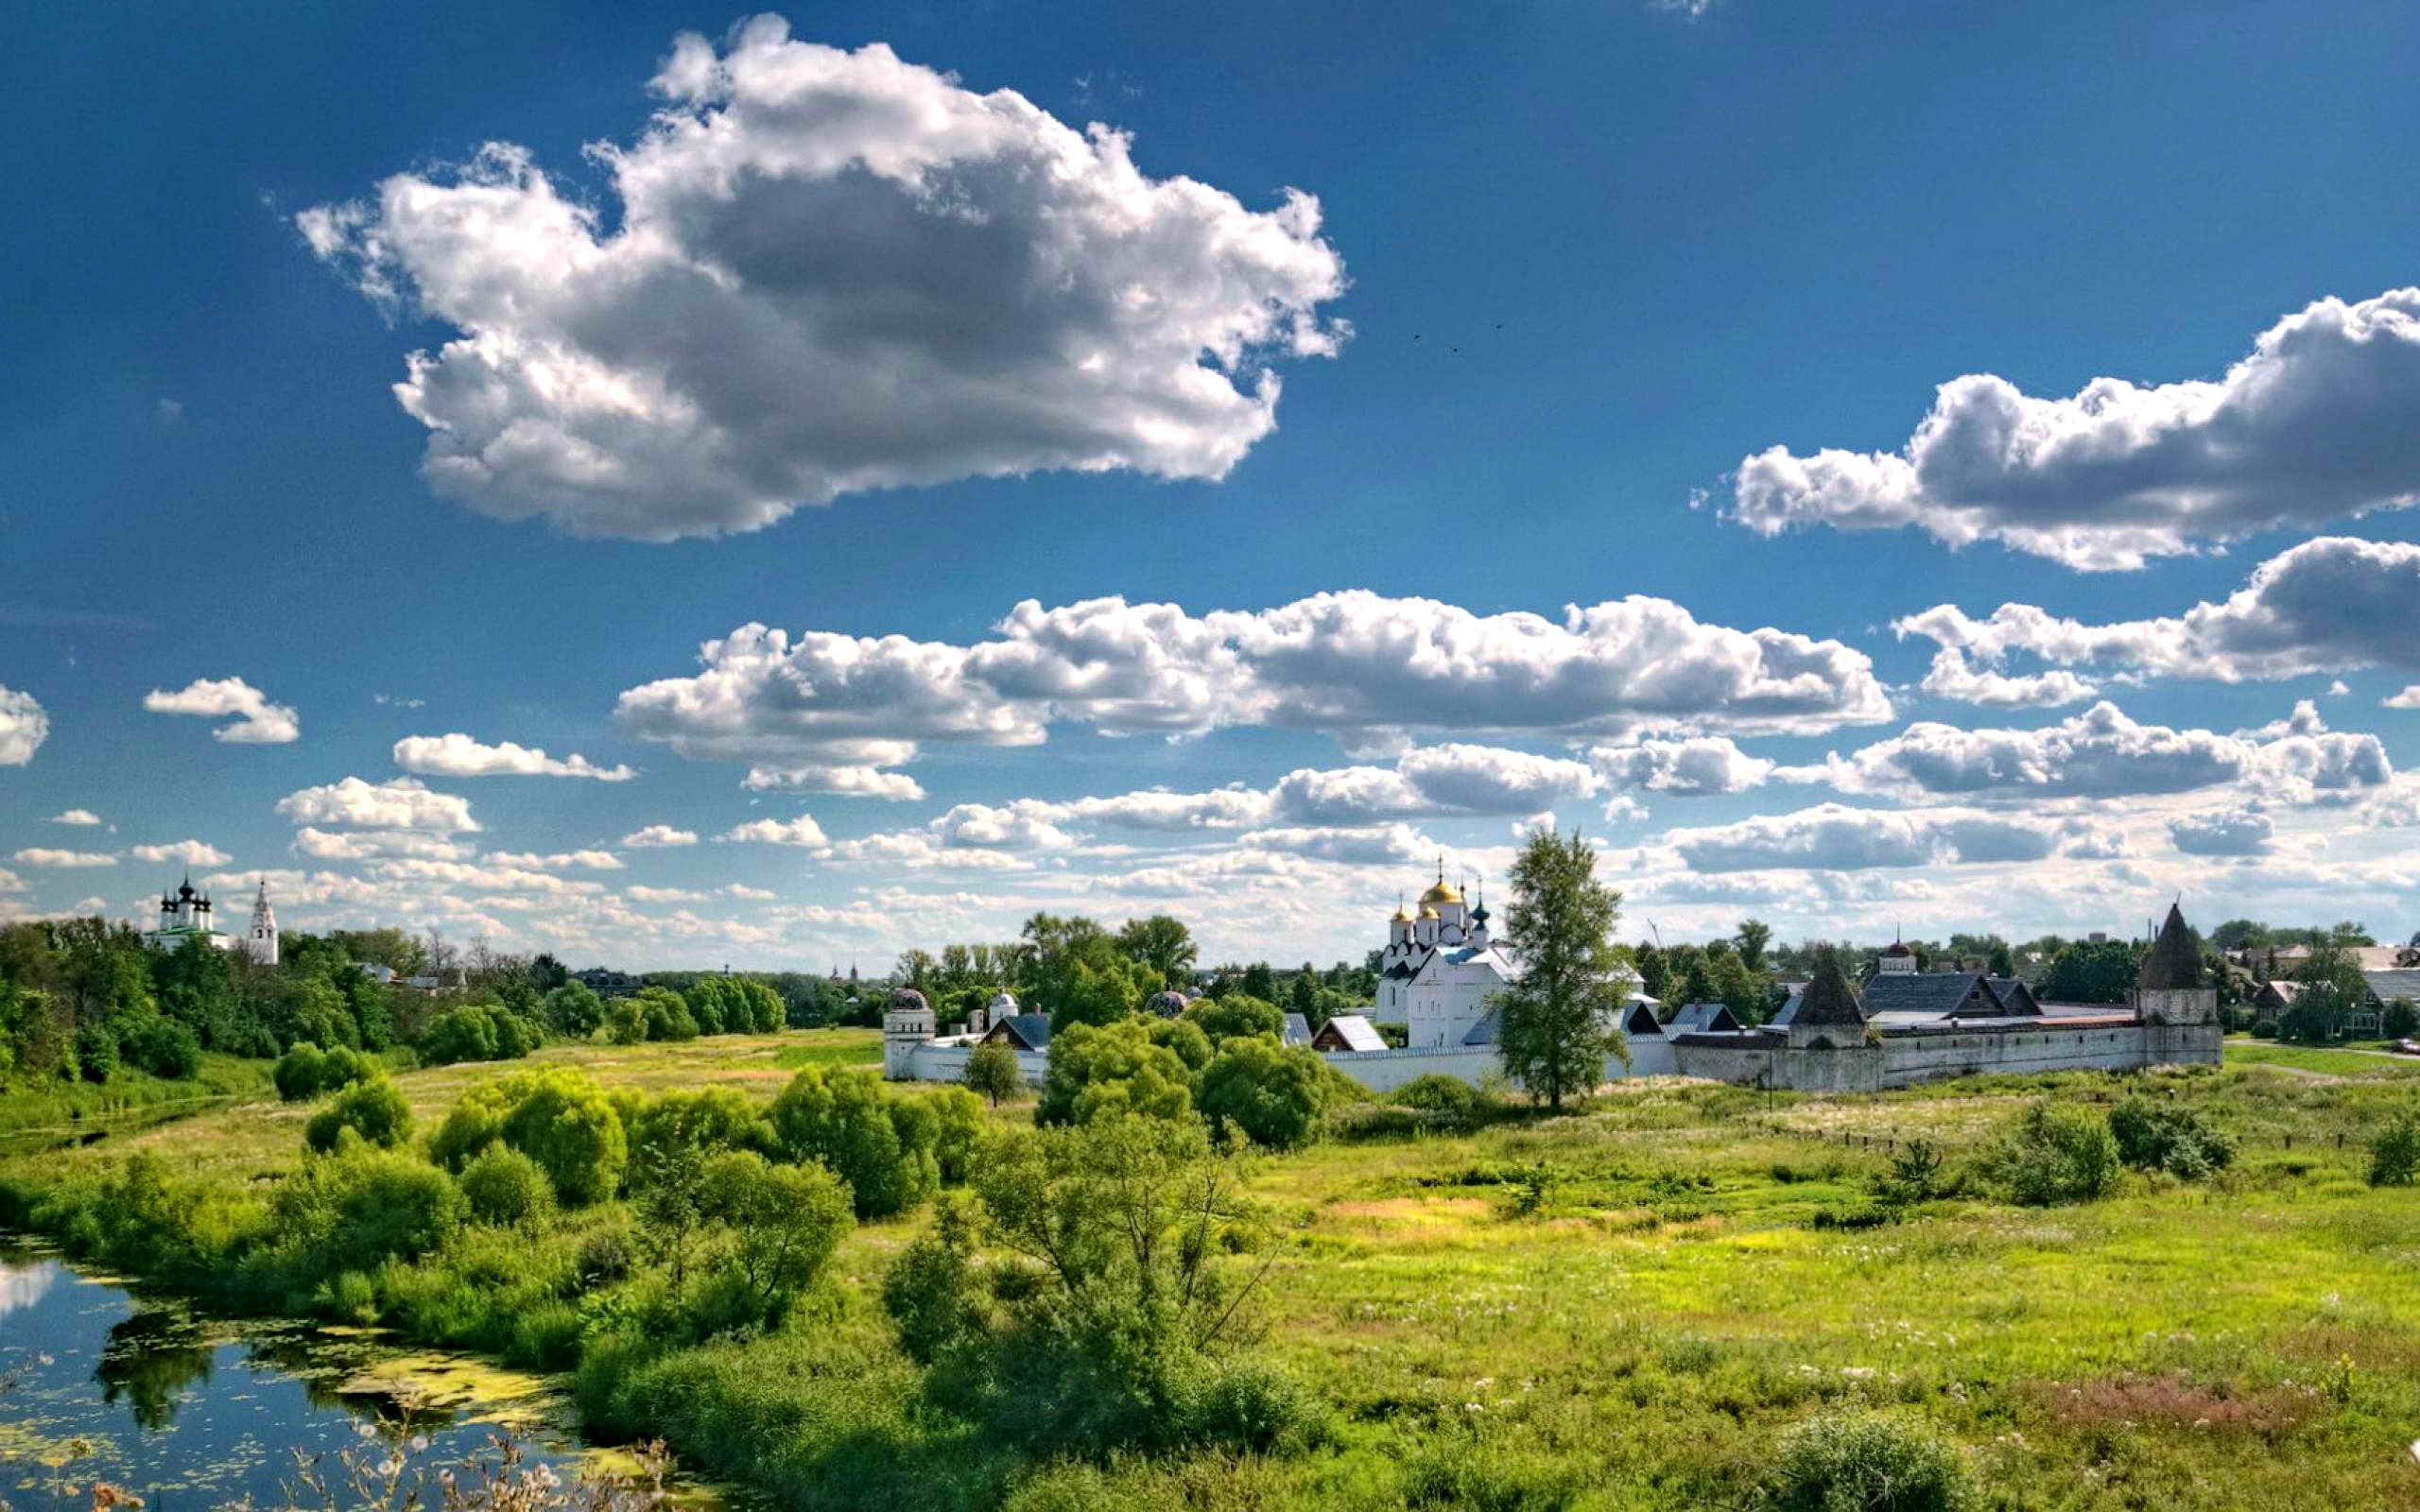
[
  {"x": 1401, "y": 917},
  {"x": 1426, "y": 912},
  {"x": 1444, "y": 892}
]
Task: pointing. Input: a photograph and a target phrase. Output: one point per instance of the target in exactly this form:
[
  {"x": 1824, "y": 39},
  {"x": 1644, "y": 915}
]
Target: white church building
[
  {"x": 1438, "y": 968},
  {"x": 185, "y": 914}
]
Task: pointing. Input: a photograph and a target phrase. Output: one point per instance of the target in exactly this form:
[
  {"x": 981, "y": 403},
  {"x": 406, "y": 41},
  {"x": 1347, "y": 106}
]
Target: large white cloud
[
  {"x": 2222, "y": 832},
  {"x": 801, "y": 830},
  {"x": 459, "y": 755},
  {"x": 2319, "y": 422},
  {"x": 1358, "y": 664},
  {"x": 24, "y": 727},
  {"x": 398, "y": 803},
  {"x": 1952, "y": 677},
  {"x": 2102, "y": 753},
  {"x": 1834, "y": 837},
  {"x": 192, "y": 853},
  {"x": 1689, "y": 768},
  {"x": 2334, "y": 603},
  {"x": 43, "y": 855},
  {"x": 257, "y": 722},
  {"x": 830, "y": 271},
  {"x": 330, "y": 845}
]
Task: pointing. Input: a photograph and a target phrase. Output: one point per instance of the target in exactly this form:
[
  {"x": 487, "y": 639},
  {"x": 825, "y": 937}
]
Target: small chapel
[{"x": 1440, "y": 967}]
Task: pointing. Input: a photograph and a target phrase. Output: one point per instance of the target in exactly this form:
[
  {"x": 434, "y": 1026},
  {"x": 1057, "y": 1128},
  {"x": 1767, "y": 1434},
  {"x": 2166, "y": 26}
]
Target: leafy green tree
[
  {"x": 505, "y": 1187},
  {"x": 1754, "y": 936},
  {"x": 1556, "y": 1028},
  {"x": 166, "y": 1048},
  {"x": 842, "y": 1119},
  {"x": 784, "y": 1222},
  {"x": 1237, "y": 1013},
  {"x": 374, "y": 1110},
  {"x": 1162, "y": 945},
  {"x": 993, "y": 1072},
  {"x": 2001, "y": 964},
  {"x": 2086, "y": 972},
  {"x": 1097, "y": 992},
  {"x": 1269, "y": 1094},
  {"x": 1186, "y": 1039},
  {"x": 1258, "y": 981},
  {"x": 573, "y": 1011},
  {"x": 958, "y": 1128},
  {"x": 1100, "y": 1071},
  {"x": 564, "y": 1122},
  {"x": 547, "y": 974}
]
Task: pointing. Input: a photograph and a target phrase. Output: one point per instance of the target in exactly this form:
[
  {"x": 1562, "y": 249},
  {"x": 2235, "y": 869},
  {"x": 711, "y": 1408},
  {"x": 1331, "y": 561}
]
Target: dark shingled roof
[
  {"x": 1703, "y": 1018},
  {"x": 2016, "y": 997},
  {"x": 1925, "y": 992},
  {"x": 1025, "y": 1031},
  {"x": 1829, "y": 999},
  {"x": 2174, "y": 959}
]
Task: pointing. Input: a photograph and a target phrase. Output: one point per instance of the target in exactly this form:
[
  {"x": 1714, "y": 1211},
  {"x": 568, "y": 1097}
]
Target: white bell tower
[{"x": 260, "y": 941}]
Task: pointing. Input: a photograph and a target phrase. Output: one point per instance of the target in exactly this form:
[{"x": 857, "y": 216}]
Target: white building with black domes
[
  {"x": 185, "y": 914},
  {"x": 1438, "y": 968}
]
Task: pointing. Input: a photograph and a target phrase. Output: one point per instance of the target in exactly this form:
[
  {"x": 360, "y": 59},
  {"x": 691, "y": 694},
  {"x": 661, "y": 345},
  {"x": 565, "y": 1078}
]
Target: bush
[
  {"x": 2394, "y": 1156},
  {"x": 1867, "y": 1462},
  {"x": 1915, "y": 1175},
  {"x": 506, "y": 1187},
  {"x": 97, "y": 1052},
  {"x": 374, "y": 1110},
  {"x": 994, "y": 1073},
  {"x": 2053, "y": 1155},
  {"x": 1236, "y": 1015},
  {"x": 165, "y": 1048},
  {"x": 2400, "y": 1020},
  {"x": 784, "y": 1222},
  {"x": 693, "y": 1124},
  {"x": 362, "y": 1208},
  {"x": 2158, "y": 1137},
  {"x": 560, "y": 1120},
  {"x": 1437, "y": 1092},
  {"x": 843, "y": 1118},
  {"x": 298, "y": 1072},
  {"x": 574, "y": 1010},
  {"x": 1268, "y": 1093},
  {"x": 958, "y": 1131},
  {"x": 457, "y": 1035},
  {"x": 1100, "y": 1071},
  {"x": 2264, "y": 1028}
]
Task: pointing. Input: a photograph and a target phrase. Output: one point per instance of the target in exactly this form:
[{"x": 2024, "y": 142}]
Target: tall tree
[
  {"x": 1557, "y": 1026},
  {"x": 1754, "y": 935},
  {"x": 1161, "y": 942}
]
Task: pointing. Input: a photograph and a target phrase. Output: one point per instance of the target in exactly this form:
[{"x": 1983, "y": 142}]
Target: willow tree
[{"x": 1558, "y": 1020}]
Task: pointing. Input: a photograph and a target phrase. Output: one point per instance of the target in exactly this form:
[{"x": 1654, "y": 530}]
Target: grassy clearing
[
  {"x": 2328, "y": 1063},
  {"x": 50, "y": 1111},
  {"x": 1674, "y": 1299}
]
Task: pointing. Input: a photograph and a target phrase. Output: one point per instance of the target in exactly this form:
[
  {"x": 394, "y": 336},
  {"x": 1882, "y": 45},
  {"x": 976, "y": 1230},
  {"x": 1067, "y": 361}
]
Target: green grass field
[
  {"x": 1680, "y": 1292},
  {"x": 2328, "y": 1062}
]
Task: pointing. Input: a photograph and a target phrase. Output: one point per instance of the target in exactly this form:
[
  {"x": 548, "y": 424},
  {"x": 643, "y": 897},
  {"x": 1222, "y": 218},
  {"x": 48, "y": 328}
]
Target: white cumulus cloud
[
  {"x": 658, "y": 835},
  {"x": 24, "y": 727},
  {"x": 557, "y": 861},
  {"x": 801, "y": 830},
  {"x": 192, "y": 853},
  {"x": 827, "y": 272},
  {"x": 459, "y": 755},
  {"x": 1834, "y": 837},
  {"x": 2321, "y": 422},
  {"x": 2222, "y": 832},
  {"x": 42, "y": 855},
  {"x": 76, "y": 817},
  {"x": 398, "y": 803},
  {"x": 256, "y": 721},
  {"x": 1687, "y": 766}
]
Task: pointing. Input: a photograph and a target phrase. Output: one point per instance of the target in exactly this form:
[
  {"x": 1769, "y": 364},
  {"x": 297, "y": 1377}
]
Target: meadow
[{"x": 1624, "y": 1306}]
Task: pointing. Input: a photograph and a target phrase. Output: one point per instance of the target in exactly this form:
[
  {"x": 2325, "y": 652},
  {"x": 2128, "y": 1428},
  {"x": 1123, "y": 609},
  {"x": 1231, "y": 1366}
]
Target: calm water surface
[{"x": 191, "y": 1412}]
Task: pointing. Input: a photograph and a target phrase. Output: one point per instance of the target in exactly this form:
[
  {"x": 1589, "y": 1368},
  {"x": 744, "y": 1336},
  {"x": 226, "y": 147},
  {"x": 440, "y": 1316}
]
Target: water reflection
[
  {"x": 190, "y": 1412},
  {"x": 147, "y": 1360},
  {"x": 24, "y": 1283}
]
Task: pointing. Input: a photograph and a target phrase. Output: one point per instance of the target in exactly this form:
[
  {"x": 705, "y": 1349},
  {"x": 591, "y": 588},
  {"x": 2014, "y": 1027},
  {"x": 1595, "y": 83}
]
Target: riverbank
[{"x": 1623, "y": 1308}]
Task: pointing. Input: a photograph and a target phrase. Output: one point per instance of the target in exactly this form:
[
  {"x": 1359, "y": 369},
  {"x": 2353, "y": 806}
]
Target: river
[{"x": 101, "y": 1381}]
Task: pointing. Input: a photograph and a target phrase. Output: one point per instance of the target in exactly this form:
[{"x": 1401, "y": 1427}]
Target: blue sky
[{"x": 1596, "y": 301}]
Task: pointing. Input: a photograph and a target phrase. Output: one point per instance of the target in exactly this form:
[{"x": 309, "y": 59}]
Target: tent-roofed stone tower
[
  {"x": 2180, "y": 1016},
  {"x": 1829, "y": 1016}
]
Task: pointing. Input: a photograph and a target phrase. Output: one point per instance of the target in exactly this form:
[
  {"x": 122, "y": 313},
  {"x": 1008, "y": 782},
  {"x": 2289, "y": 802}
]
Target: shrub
[
  {"x": 560, "y": 1120},
  {"x": 784, "y": 1221},
  {"x": 625, "y": 1022},
  {"x": 573, "y": 1009},
  {"x": 841, "y": 1118},
  {"x": 1185, "y": 1038},
  {"x": 458, "y": 1035},
  {"x": 1915, "y": 1175},
  {"x": 958, "y": 1131},
  {"x": 2394, "y": 1156},
  {"x": 2264, "y": 1028},
  {"x": 1268, "y": 1093},
  {"x": 1867, "y": 1462},
  {"x": 515, "y": 1036},
  {"x": 364, "y": 1208},
  {"x": 2158, "y": 1137},
  {"x": 298, "y": 1072},
  {"x": 683, "y": 1124},
  {"x": 374, "y": 1110},
  {"x": 506, "y": 1187},
  {"x": 1236, "y": 1015},
  {"x": 2400, "y": 1020},
  {"x": 2052, "y": 1155},
  {"x": 994, "y": 1071},
  {"x": 929, "y": 1291},
  {"x": 1097, "y": 1070},
  {"x": 474, "y": 1122},
  {"x": 165, "y": 1048},
  {"x": 1436, "y": 1092},
  {"x": 97, "y": 1052}
]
